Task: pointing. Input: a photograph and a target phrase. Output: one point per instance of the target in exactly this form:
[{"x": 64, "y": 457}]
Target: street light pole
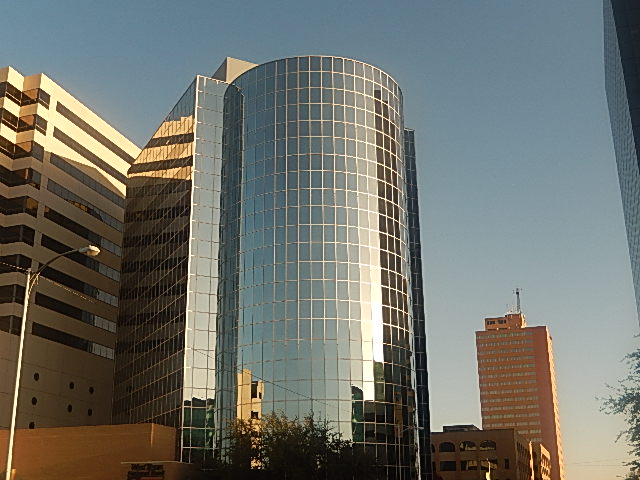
[{"x": 32, "y": 278}]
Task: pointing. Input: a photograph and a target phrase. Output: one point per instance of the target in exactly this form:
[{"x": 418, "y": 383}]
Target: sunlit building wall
[
  {"x": 62, "y": 186},
  {"x": 541, "y": 462},
  {"x": 517, "y": 383},
  {"x": 165, "y": 361}
]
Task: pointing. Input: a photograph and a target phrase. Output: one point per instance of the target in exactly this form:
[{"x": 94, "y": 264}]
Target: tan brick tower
[{"x": 517, "y": 382}]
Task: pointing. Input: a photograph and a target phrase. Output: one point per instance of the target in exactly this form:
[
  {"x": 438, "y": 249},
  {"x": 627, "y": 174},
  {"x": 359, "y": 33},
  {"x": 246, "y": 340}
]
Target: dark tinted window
[{"x": 448, "y": 466}]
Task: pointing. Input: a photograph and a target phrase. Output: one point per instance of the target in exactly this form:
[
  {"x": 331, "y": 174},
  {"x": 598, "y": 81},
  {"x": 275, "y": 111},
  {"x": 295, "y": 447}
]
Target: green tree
[
  {"x": 246, "y": 445},
  {"x": 625, "y": 400},
  {"x": 276, "y": 447}
]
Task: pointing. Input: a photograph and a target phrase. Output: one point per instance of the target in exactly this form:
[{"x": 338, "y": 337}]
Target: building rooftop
[
  {"x": 460, "y": 428},
  {"x": 231, "y": 68}
]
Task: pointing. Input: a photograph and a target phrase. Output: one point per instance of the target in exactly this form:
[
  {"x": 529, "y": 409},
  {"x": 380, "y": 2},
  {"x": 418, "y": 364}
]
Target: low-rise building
[
  {"x": 464, "y": 452},
  {"x": 100, "y": 452}
]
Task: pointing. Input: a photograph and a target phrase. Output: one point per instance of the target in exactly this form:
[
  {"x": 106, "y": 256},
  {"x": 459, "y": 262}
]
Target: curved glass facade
[{"x": 315, "y": 308}]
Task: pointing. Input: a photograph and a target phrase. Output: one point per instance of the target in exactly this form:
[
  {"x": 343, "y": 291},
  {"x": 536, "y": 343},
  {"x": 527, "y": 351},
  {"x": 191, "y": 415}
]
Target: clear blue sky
[{"x": 517, "y": 174}]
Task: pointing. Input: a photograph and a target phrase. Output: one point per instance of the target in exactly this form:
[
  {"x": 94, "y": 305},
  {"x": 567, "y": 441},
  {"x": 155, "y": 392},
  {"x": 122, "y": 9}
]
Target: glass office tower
[
  {"x": 316, "y": 297},
  {"x": 309, "y": 306},
  {"x": 622, "y": 81}
]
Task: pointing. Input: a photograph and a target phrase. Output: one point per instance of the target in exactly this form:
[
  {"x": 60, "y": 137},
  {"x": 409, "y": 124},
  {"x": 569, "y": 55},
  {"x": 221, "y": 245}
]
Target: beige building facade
[
  {"x": 517, "y": 382},
  {"x": 62, "y": 186}
]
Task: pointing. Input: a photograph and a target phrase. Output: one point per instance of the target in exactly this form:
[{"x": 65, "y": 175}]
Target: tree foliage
[
  {"x": 632, "y": 475},
  {"x": 625, "y": 400},
  {"x": 276, "y": 447}
]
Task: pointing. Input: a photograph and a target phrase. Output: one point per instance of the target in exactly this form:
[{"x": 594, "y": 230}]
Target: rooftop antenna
[{"x": 517, "y": 292}]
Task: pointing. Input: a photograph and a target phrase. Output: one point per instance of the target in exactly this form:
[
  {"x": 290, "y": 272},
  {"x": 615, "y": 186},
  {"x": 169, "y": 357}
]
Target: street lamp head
[{"x": 90, "y": 250}]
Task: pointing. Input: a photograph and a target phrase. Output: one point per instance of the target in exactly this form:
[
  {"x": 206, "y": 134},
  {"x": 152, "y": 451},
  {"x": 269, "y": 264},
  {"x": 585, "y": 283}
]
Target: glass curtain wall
[
  {"x": 316, "y": 300},
  {"x": 152, "y": 319},
  {"x": 166, "y": 348},
  {"x": 622, "y": 82},
  {"x": 419, "y": 320},
  {"x": 202, "y": 303}
]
